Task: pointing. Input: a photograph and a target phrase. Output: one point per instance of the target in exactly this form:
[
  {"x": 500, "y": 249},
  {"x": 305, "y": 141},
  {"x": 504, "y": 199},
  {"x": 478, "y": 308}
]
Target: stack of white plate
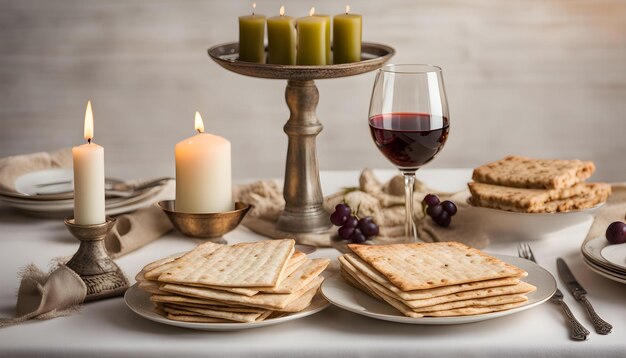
[
  {"x": 49, "y": 193},
  {"x": 605, "y": 259}
]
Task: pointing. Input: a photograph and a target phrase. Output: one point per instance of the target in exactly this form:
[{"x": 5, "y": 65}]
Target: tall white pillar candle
[
  {"x": 88, "y": 178},
  {"x": 203, "y": 173}
]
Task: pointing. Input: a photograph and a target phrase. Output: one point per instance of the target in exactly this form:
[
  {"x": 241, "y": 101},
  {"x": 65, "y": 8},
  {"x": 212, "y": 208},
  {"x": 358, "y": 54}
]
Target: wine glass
[{"x": 409, "y": 122}]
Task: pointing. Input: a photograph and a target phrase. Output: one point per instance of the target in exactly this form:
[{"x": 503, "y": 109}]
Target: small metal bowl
[{"x": 205, "y": 225}]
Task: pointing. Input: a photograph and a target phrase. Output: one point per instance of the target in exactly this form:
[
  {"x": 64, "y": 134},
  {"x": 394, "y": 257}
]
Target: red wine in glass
[{"x": 409, "y": 140}]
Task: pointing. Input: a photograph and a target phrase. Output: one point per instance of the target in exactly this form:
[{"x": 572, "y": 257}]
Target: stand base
[
  {"x": 92, "y": 263},
  {"x": 313, "y": 221}
]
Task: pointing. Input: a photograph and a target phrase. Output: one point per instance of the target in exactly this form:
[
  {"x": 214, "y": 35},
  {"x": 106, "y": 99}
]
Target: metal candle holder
[
  {"x": 303, "y": 211},
  {"x": 92, "y": 263}
]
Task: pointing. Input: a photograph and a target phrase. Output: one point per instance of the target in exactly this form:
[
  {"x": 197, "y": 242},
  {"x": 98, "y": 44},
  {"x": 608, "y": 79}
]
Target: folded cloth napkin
[
  {"x": 13, "y": 167},
  {"x": 383, "y": 202},
  {"x": 135, "y": 230},
  {"x": 613, "y": 210}
]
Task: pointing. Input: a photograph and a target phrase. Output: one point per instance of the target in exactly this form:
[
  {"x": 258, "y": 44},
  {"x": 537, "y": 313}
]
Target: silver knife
[{"x": 601, "y": 326}]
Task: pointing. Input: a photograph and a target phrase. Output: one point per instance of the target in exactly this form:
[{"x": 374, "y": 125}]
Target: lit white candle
[
  {"x": 203, "y": 173},
  {"x": 88, "y": 177}
]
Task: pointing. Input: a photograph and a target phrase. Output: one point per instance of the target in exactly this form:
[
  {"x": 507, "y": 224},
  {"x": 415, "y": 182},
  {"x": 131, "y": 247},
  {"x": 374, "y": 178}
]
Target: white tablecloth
[{"x": 109, "y": 328}]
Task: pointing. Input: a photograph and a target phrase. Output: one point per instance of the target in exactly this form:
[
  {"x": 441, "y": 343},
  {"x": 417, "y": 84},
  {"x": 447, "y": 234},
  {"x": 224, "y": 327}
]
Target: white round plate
[
  {"x": 342, "y": 294},
  {"x": 48, "y": 181},
  {"x": 526, "y": 226},
  {"x": 615, "y": 254},
  {"x": 139, "y": 302},
  {"x": 592, "y": 251},
  {"x": 604, "y": 272}
]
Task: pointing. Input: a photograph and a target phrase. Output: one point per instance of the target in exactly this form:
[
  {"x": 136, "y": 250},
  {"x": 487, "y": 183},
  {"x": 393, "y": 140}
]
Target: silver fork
[{"x": 578, "y": 332}]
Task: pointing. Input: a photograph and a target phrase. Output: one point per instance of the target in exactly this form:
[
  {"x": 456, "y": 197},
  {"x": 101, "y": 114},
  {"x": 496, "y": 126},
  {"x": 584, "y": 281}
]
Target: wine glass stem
[{"x": 409, "y": 224}]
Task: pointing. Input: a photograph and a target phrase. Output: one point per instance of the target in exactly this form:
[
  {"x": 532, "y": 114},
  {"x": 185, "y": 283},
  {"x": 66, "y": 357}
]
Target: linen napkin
[
  {"x": 613, "y": 210},
  {"x": 383, "y": 202},
  {"x": 13, "y": 167},
  {"x": 135, "y": 230}
]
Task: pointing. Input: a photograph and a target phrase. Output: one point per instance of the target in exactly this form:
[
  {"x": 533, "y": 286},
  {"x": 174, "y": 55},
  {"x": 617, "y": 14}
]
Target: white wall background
[{"x": 535, "y": 77}]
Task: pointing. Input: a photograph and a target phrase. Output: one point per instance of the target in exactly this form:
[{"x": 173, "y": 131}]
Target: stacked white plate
[
  {"x": 49, "y": 193},
  {"x": 605, "y": 259}
]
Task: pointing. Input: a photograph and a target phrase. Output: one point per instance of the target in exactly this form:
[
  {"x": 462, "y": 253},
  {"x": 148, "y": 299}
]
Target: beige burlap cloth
[
  {"x": 383, "y": 202},
  {"x": 613, "y": 210},
  {"x": 60, "y": 292}
]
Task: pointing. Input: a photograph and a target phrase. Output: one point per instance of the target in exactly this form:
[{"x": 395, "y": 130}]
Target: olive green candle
[
  {"x": 329, "y": 54},
  {"x": 347, "y": 32},
  {"x": 311, "y": 40},
  {"x": 252, "y": 37},
  {"x": 281, "y": 39}
]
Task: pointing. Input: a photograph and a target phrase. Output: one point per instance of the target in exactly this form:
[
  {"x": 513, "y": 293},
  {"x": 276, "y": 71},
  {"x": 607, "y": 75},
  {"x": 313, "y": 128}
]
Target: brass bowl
[
  {"x": 373, "y": 56},
  {"x": 205, "y": 225}
]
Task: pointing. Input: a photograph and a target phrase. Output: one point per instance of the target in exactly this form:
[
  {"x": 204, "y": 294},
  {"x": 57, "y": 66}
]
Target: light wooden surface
[{"x": 539, "y": 78}]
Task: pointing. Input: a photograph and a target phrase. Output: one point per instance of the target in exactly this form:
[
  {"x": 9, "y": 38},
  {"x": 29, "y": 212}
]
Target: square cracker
[
  {"x": 577, "y": 197},
  {"x": 518, "y": 289},
  {"x": 524, "y": 172},
  {"x": 420, "y": 266},
  {"x": 407, "y": 311},
  {"x": 270, "y": 301},
  {"x": 256, "y": 264},
  {"x": 363, "y": 268}
]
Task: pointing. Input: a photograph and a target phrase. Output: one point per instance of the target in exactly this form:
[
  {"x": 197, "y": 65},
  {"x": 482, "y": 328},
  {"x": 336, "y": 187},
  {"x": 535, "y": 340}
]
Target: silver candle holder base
[{"x": 92, "y": 263}]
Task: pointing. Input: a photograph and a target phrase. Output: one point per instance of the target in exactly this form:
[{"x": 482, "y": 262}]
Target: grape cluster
[
  {"x": 440, "y": 212},
  {"x": 616, "y": 233},
  {"x": 352, "y": 228}
]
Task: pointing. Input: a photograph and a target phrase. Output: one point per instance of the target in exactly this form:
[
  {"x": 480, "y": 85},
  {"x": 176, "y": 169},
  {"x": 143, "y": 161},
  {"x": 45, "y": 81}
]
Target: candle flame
[
  {"x": 88, "y": 129},
  {"x": 312, "y": 12},
  {"x": 282, "y": 11},
  {"x": 253, "y": 7},
  {"x": 347, "y": 9},
  {"x": 199, "y": 124}
]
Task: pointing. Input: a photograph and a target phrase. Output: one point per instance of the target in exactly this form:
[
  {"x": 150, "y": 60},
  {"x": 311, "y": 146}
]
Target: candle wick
[{"x": 88, "y": 140}]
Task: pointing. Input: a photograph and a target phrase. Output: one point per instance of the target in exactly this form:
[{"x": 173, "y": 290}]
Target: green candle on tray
[
  {"x": 281, "y": 39},
  {"x": 329, "y": 54},
  {"x": 311, "y": 40},
  {"x": 252, "y": 37},
  {"x": 347, "y": 32}
]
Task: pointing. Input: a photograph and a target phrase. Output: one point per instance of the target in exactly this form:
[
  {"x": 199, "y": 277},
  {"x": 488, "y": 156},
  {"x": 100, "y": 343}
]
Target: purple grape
[
  {"x": 345, "y": 232},
  {"x": 363, "y": 222},
  {"x": 434, "y": 211},
  {"x": 368, "y": 238},
  {"x": 358, "y": 237},
  {"x": 616, "y": 233},
  {"x": 449, "y": 207},
  {"x": 351, "y": 222},
  {"x": 431, "y": 200},
  {"x": 369, "y": 229},
  {"x": 443, "y": 219},
  {"x": 343, "y": 209},
  {"x": 337, "y": 218}
]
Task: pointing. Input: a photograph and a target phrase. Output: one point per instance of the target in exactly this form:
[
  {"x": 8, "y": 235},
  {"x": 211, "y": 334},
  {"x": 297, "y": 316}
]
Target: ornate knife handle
[
  {"x": 579, "y": 332},
  {"x": 601, "y": 326}
]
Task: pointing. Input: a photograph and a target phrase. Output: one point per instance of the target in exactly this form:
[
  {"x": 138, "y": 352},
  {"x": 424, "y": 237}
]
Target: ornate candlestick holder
[
  {"x": 92, "y": 263},
  {"x": 303, "y": 211},
  {"x": 212, "y": 226}
]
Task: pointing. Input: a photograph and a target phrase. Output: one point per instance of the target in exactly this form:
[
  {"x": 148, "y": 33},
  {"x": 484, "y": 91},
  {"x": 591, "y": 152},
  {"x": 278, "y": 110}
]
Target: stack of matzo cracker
[
  {"x": 536, "y": 185},
  {"x": 435, "y": 279},
  {"x": 245, "y": 282}
]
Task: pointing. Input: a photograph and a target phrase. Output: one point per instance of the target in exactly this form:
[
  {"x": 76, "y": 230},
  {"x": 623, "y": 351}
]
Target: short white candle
[
  {"x": 203, "y": 173},
  {"x": 88, "y": 178}
]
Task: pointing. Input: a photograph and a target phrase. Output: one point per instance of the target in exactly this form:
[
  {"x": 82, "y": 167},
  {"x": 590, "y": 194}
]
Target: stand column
[{"x": 302, "y": 191}]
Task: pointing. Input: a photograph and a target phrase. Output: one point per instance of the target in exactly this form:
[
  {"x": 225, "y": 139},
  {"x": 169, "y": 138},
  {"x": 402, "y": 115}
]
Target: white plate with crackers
[
  {"x": 344, "y": 295},
  {"x": 139, "y": 302}
]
